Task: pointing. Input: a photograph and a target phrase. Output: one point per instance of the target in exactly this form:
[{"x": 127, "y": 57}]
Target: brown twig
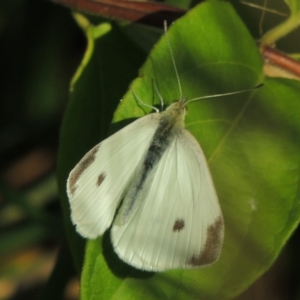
[
  {"x": 281, "y": 60},
  {"x": 149, "y": 13}
]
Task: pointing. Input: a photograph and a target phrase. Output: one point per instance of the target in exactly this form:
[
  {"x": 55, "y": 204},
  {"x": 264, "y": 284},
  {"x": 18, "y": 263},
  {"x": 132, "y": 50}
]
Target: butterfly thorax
[{"x": 175, "y": 114}]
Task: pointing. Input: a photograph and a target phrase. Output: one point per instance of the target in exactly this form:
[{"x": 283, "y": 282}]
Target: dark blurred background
[{"x": 41, "y": 47}]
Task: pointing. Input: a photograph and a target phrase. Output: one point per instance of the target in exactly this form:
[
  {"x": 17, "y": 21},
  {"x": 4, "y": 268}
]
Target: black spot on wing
[
  {"x": 85, "y": 162},
  {"x": 178, "y": 225},
  {"x": 100, "y": 179},
  {"x": 211, "y": 250}
]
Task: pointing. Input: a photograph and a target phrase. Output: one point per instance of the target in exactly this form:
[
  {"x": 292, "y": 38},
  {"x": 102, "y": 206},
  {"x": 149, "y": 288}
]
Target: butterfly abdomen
[{"x": 171, "y": 122}]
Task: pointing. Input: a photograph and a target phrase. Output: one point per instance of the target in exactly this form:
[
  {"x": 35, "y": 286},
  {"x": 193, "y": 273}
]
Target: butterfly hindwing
[{"x": 179, "y": 223}]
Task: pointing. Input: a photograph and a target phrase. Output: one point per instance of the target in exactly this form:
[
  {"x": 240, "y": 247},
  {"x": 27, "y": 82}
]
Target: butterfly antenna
[
  {"x": 226, "y": 94},
  {"x": 172, "y": 57}
]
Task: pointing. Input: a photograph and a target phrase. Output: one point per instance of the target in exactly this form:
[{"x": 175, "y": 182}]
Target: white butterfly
[{"x": 151, "y": 182}]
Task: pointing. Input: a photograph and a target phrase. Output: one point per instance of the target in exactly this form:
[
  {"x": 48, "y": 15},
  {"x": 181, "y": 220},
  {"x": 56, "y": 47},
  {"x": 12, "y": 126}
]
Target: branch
[
  {"x": 148, "y": 13},
  {"x": 281, "y": 60}
]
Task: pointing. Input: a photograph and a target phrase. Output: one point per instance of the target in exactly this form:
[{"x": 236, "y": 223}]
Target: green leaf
[{"x": 250, "y": 141}]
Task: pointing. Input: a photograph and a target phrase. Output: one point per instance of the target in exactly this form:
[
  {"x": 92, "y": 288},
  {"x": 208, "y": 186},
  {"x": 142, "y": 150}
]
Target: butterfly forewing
[{"x": 97, "y": 183}]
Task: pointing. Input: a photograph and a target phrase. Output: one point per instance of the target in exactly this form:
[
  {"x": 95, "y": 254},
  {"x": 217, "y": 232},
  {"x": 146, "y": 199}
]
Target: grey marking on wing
[
  {"x": 211, "y": 250},
  {"x": 178, "y": 225},
  {"x": 85, "y": 162},
  {"x": 100, "y": 179}
]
